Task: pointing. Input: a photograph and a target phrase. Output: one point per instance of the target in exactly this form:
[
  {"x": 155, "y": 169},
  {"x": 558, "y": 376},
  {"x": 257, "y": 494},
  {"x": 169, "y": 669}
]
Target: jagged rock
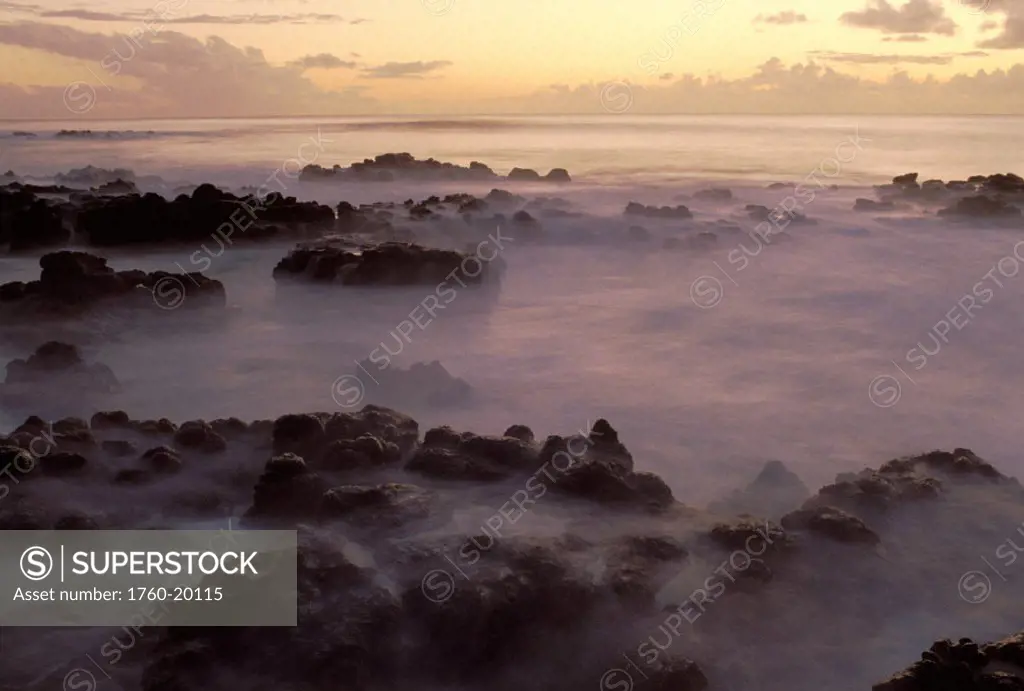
[
  {"x": 116, "y": 419},
  {"x": 28, "y": 221},
  {"x": 389, "y": 504},
  {"x": 520, "y": 432},
  {"x": 299, "y": 434},
  {"x": 448, "y": 456},
  {"x": 832, "y": 523},
  {"x": 963, "y": 666},
  {"x": 679, "y": 212},
  {"x": 209, "y": 215},
  {"x": 365, "y": 452},
  {"x": 906, "y": 180},
  {"x": 423, "y": 384},
  {"x": 59, "y": 366},
  {"x": 163, "y": 460},
  {"x": 397, "y": 166},
  {"x": 981, "y": 207},
  {"x": 72, "y": 281},
  {"x": 390, "y": 263},
  {"x": 775, "y": 491},
  {"x": 198, "y": 434},
  {"x": 287, "y": 489}
]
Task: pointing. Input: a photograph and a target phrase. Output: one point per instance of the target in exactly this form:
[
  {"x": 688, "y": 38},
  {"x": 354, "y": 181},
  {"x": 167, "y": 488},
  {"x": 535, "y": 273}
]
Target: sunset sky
[{"x": 318, "y": 57}]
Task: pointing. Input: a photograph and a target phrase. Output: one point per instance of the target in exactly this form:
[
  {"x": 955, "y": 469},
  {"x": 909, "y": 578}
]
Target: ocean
[{"x": 835, "y": 343}]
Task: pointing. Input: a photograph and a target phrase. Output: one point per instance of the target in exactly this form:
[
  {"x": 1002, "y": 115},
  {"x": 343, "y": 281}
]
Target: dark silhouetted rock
[
  {"x": 57, "y": 367},
  {"x": 981, "y": 207},
  {"x": 198, "y": 434},
  {"x": 390, "y": 264},
  {"x": 678, "y": 212},
  {"x": 831, "y": 522}
]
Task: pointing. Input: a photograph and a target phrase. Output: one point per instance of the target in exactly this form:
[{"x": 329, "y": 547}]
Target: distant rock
[
  {"x": 981, "y": 207},
  {"x": 775, "y": 491},
  {"x": 423, "y": 383},
  {"x": 72, "y": 282},
  {"x": 386, "y": 264},
  {"x": 678, "y": 212},
  {"x": 57, "y": 369}
]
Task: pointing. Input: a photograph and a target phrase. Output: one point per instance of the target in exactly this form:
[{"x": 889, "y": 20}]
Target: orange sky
[{"x": 401, "y": 56}]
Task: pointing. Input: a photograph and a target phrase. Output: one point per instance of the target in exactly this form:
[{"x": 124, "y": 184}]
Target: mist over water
[{"x": 817, "y": 349}]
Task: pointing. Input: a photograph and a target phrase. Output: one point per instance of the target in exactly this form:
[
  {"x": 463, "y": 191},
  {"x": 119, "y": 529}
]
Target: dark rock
[
  {"x": 389, "y": 504},
  {"x": 448, "y": 456},
  {"x": 198, "y": 434},
  {"x": 981, "y": 207},
  {"x": 362, "y": 453},
  {"x": 77, "y": 281},
  {"x": 523, "y": 175},
  {"x": 117, "y": 419},
  {"x": 963, "y": 666},
  {"x": 831, "y": 522},
  {"x": 423, "y": 384},
  {"x": 163, "y": 460},
  {"x": 391, "y": 263},
  {"x": 396, "y": 167},
  {"x": 209, "y": 216},
  {"x": 287, "y": 490},
  {"x": 58, "y": 366},
  {"x": 679, "y": 212},
  {"x": 520, "y": 432}
]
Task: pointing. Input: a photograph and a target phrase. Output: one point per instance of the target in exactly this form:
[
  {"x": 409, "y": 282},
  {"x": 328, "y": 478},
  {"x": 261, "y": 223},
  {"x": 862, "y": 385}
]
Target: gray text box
[{"x": 178, "y": 577}]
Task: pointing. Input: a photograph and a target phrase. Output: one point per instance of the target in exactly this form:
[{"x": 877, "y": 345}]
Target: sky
[{"x": 256, "y": 58}]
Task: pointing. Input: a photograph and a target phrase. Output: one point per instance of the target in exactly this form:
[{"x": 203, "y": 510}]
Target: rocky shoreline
[{"x": 374, "y": 499}]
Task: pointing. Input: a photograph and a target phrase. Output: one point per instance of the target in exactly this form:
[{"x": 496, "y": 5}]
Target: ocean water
[
  {"x": 832, "y": 346},
  {"x": 608, "y": 150},
  {"x": 709, "y": 363}
]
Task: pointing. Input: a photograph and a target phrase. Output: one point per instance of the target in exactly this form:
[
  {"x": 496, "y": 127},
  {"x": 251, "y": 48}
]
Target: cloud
[
  {"x": 776, "y": 88},
  {"x": 167, "y": 74},
  {"x": 916, "y": 17},
  {"x": 1012, "y": 36},
  {"x": 873, "y": 59},
  {"x": 404, "y": 70},
  {"x": 666, "y": 76},
  {"x": 167, "y": 17},
  {"x": 906, "y": 38},
  {"x": 782, "y": 18},
  {"x": 324, "y": 61}
]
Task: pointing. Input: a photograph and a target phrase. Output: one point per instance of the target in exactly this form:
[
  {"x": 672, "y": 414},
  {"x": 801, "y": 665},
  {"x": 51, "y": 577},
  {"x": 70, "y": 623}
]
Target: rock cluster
[
  {"x": 390, "y": 263},
  {"x": 75, "y": 281},
  {"x": 404, "y": 166},
  {"x": 58, "y": 368}
]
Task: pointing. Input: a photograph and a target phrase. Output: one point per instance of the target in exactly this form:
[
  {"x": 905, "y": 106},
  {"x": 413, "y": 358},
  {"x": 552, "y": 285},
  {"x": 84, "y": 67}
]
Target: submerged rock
[
  {"x": 981, "y": 207},
  {"x": 57, "y": 368},
  {"x": 387, "y": 264},
  {"x": 678, "y": 212},
  {"x": 72, "y": 282}
]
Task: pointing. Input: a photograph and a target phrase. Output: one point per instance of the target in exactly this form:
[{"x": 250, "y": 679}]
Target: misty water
[{"x": 834, "y": 346}]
